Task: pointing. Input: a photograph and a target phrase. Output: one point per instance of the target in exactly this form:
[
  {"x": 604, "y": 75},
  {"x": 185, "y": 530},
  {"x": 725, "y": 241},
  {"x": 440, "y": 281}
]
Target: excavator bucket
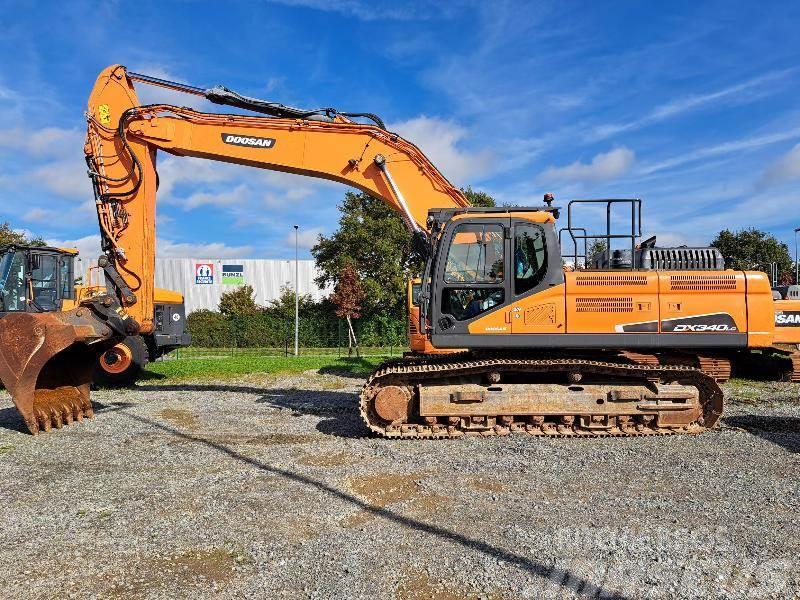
[{"x": 46, "y": 364}]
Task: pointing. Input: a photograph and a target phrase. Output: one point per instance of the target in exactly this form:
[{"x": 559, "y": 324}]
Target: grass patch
[{"x": 233, "y": 366}]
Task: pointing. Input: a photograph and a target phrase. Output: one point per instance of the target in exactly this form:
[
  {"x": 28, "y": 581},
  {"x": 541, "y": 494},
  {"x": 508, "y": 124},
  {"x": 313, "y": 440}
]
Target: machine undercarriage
[{"x": 562, "y": 394}]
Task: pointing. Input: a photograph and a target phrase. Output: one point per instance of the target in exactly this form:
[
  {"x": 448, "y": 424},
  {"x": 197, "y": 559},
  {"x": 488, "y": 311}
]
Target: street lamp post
[
  {"x": 796, "y": 281},
  {"x": 296, "y": 293}
]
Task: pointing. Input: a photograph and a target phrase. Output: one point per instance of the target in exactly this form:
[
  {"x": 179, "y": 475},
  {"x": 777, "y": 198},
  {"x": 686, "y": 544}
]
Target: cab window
[
  {"x": 416, "y": 288},
  {"x": 530, "y": 257},
  {"x": 12, "y": 282},
  {"x": 466, "y": 303},
  {"x": 475, "y": 255},
  {"x": 66, "y": 278},
  {"x": 44, "y": 281}
]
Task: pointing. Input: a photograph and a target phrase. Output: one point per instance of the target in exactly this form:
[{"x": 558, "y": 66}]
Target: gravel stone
[{"x": 271, "y": 487}]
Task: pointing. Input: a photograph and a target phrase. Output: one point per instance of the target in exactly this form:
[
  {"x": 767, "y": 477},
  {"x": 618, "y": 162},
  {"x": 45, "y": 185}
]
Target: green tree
[
  {"x": 239, "y": 302},
  {"x": 373, "y": 238},
  {"x": 283, "y": 305},
  {"x": 9, "y": 236},
  {"x": 752, "y": 249},
  {"x": 478, "y": 198}
]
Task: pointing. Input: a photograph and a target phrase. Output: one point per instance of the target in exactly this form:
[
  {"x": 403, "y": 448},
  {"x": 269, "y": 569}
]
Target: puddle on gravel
[
  {"x": 417, "y": 585},
  {"x": 387, "y": 489},
  {"x": 481, "y": 483},
  {"x": 180, "y": 417},
  {"x": 325, "y": 459},
  {"x": 195, "y": 567}
]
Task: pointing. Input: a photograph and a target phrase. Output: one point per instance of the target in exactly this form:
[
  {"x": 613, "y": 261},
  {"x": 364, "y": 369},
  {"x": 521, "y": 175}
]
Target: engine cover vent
[
  {"x": 681, "y": 259},
  {"x": 698, "y": 283},
  {"x": 611, "y": 279},
  {"x": 604, "y": 305}
]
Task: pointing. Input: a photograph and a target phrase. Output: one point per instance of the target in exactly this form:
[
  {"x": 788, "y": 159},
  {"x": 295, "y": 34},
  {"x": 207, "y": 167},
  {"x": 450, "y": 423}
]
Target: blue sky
[{"x": 692, "y": 106}]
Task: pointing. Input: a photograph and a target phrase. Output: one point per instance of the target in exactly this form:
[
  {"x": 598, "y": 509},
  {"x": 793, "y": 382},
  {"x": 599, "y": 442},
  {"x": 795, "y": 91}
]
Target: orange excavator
[{"x": 548, "y": 351}]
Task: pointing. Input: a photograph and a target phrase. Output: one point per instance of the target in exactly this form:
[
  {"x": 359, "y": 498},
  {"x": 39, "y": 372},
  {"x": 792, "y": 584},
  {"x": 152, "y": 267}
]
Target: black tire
[{"x": 123, "y": 364}]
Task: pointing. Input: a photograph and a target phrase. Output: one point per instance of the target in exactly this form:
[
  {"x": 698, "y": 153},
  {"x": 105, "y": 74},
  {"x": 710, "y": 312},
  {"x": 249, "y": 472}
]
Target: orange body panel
[
  {"x": 691, "y": 293},
  {"x": 787, "y": 322},
  {"x": 600, "y": 302},
  {"x": 607, "y": 302},
  {"x": 761, "y": 330}
]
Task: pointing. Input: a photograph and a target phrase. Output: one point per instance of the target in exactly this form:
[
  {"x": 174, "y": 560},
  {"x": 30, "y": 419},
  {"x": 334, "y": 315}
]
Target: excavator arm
[{"x": 42, "y": 357}]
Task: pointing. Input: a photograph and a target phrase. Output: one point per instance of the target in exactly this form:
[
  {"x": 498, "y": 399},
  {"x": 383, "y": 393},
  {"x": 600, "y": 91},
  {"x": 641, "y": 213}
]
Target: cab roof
[{"x": 42, "y": 249}]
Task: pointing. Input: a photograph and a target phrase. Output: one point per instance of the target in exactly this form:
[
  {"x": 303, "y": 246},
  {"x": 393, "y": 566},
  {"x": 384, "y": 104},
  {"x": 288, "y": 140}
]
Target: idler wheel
[{"x": 393, "y": 403}]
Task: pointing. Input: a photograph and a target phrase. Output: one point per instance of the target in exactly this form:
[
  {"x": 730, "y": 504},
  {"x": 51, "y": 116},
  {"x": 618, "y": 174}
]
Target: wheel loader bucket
[{"x": 46, "y": 364}]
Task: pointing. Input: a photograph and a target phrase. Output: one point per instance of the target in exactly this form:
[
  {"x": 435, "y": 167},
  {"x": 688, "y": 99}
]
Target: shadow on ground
[
  {"x": 338, "y": 410},
  {"x": 544, "y": 571},
  {"x": 783, "y": 431},
  {"x": 11, "y": 419}
]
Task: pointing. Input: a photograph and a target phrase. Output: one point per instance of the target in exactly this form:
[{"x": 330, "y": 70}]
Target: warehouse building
[{"x": 203, "y": 281}]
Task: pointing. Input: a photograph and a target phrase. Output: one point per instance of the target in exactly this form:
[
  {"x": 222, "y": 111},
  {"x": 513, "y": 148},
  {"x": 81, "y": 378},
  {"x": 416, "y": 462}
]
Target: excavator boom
[{"x": 45, "y": 359}]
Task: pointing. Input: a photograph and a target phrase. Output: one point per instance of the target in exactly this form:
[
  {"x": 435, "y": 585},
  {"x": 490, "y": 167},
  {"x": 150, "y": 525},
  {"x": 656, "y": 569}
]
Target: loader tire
[{"x": 123, "y": 364}]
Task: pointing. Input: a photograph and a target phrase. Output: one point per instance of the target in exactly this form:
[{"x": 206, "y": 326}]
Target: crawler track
[
  {"x": 409, "y": 373},
  {"x": 794, "y": 375},
  {"x": 717, "y": 367}
]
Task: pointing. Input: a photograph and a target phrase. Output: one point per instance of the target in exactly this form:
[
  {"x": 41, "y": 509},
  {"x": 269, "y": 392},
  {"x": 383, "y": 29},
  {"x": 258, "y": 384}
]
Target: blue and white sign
[{"x": 204, "y": 273}]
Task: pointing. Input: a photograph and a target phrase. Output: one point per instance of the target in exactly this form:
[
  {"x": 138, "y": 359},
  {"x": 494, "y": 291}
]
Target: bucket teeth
[{"x": 60, "y": 407}]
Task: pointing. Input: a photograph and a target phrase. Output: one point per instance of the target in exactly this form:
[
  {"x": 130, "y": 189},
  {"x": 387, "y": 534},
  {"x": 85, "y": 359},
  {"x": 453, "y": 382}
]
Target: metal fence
[{"x": 271, "y": 335}]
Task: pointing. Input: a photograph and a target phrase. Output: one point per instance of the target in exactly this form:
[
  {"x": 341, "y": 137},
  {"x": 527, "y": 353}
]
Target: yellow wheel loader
[{"x": 36, "y": 279}]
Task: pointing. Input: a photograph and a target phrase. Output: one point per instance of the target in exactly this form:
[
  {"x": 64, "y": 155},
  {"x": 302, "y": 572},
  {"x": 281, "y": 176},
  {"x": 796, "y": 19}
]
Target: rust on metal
[
  {"x": 46, "y": 364},
  {"x": 392, "y": 403},
  {"x": 716, "y": 366},
  {"x": 618, "y": 398}
]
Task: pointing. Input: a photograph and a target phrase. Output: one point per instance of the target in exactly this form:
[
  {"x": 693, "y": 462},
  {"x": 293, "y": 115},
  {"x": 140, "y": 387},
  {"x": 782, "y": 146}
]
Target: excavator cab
[
  {"x": 482, "y": 261},
  {"x": 35, "y": 279}
]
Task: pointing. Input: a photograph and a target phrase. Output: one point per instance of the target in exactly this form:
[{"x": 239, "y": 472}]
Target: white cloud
[
  {"x": 66, "y": 178},
  {"x": 785, "y": 169},
  {"x": 306, "y": 238},
  {"x": 88, "y": 247},
  {"x": 439, "y": 140},
  {"x": 45, "y": 142},
  {"x": 39, "y": 215},
  {"x": 604, "y": 166},
  {"x": 721, "y": 149},
  {"x": 170, "y": 249},
  {"x": 746, "y": 91},
  {"x": 372, "y": 11},
  {"x": 235, "y": 197}
]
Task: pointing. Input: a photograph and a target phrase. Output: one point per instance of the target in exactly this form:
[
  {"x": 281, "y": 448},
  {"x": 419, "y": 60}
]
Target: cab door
[
  {"x": 537, "y": 299},
  {"x": 471, "y": 279}
]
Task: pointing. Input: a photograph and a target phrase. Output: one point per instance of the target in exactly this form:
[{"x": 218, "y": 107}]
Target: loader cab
[
  {"x": 35, "y": 279},
  {"x": 485, "y": 260}
]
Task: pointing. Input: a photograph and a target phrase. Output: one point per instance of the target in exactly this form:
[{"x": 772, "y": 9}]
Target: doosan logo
[
  {"x": 787, "y": 319},
  {"x": 242, "y": 140}
]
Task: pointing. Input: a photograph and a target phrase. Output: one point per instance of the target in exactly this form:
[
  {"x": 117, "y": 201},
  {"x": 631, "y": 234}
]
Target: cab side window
[
  {"x": 475, "y": 258},
  {"x": 12, "y": 277},
  {"x": 530, "y": 257},
  {"x": 476, "y": 255},
  {"x": 44, "y": 281}
]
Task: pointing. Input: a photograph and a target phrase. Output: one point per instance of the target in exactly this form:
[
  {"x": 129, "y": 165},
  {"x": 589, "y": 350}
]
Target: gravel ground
[{"x": 271, "y": 488}]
